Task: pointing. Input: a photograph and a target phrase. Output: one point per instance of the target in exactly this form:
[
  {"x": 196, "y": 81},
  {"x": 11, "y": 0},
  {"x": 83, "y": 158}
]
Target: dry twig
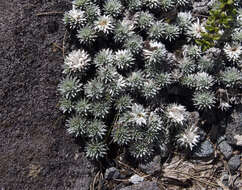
[{"x": 49, "y": 13}]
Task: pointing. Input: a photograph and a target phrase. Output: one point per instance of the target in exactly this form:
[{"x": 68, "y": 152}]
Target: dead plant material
[
  {"x": 96, "y": 180},
  {"x": 63, "y": 44},
  {"x": 179, "y": 172},
  {"x": 49, "y": 13}
]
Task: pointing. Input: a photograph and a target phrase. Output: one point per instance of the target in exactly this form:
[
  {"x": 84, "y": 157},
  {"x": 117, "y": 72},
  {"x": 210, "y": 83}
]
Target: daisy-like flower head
[
  {"x": 104, "y": 24},
  {"x": 138, "y": 115},
  {"x": 177, "y": 113},
  {"x": 77, "y": 60},
  {"x": 74, "y": 18},
  {"x": 188, "y": 138},
  {"x": 233, "y": 52},
  {"x": 195, "y": 30}
]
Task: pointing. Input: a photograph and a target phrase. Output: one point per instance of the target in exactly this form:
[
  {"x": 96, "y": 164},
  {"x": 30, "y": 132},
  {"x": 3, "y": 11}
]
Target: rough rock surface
[
  {"x": 112, "y": 173},
  {"x": 145, "y": 185},
  {"x": 234, "y": 129},
  {"x": 234, "y": 163},
  {"x": 204, "y": 151},
  {"x": 36, "y": 151},
  {"x": 152, "y": 167},
  {"x": 225, "y": 149}
]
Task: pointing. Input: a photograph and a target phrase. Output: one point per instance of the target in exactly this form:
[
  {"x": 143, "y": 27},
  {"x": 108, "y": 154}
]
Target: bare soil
[{"x": 35, "y": 150}]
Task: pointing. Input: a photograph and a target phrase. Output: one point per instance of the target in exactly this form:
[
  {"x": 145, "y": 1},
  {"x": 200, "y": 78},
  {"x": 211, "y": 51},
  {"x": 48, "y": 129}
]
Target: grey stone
[
  {"x": 234, "y": 163},
  {"x": 202, "y": 135},
  {"x": 135, "y": 179},
  {"x": 151, "y": 167},
  {"x": 225, "y": 149},
  {"x": 225, "y": 178},
  {"x": 145, "y": 185},
  {"x": 234, "y": 129},
  {"x": 204, "y": 151},
  {"x": 112, "y": 173}
]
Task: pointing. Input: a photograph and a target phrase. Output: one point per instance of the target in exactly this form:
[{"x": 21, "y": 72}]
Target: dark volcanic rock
[
  {"x": 234, "y": 163},
  {"x": 151, "y": 167},
  {"x": 145, "y": 185},
  {"x": 204, "y": 151},
  {"x": 225, "y": 149},
  {"x": 112, "y": 173},
  {"x": 234, "y": 129}
]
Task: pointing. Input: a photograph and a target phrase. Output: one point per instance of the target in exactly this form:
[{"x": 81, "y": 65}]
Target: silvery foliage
[{"x": 136, "y": 56}]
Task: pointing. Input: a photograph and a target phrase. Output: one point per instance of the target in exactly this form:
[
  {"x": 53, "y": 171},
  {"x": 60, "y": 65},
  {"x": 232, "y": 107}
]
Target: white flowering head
[
  {"x": 138, "y": 115},
  {"x": 195, "y": 30},
  {"x": 74, "y": 18},
  {"x": 188, "y": 138},
  {"x": 77, "y": 60},
  {"x": 233, "y": 52},
  {"x": 104, "y": 24},
  {"x": 177, "y": 113}
]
